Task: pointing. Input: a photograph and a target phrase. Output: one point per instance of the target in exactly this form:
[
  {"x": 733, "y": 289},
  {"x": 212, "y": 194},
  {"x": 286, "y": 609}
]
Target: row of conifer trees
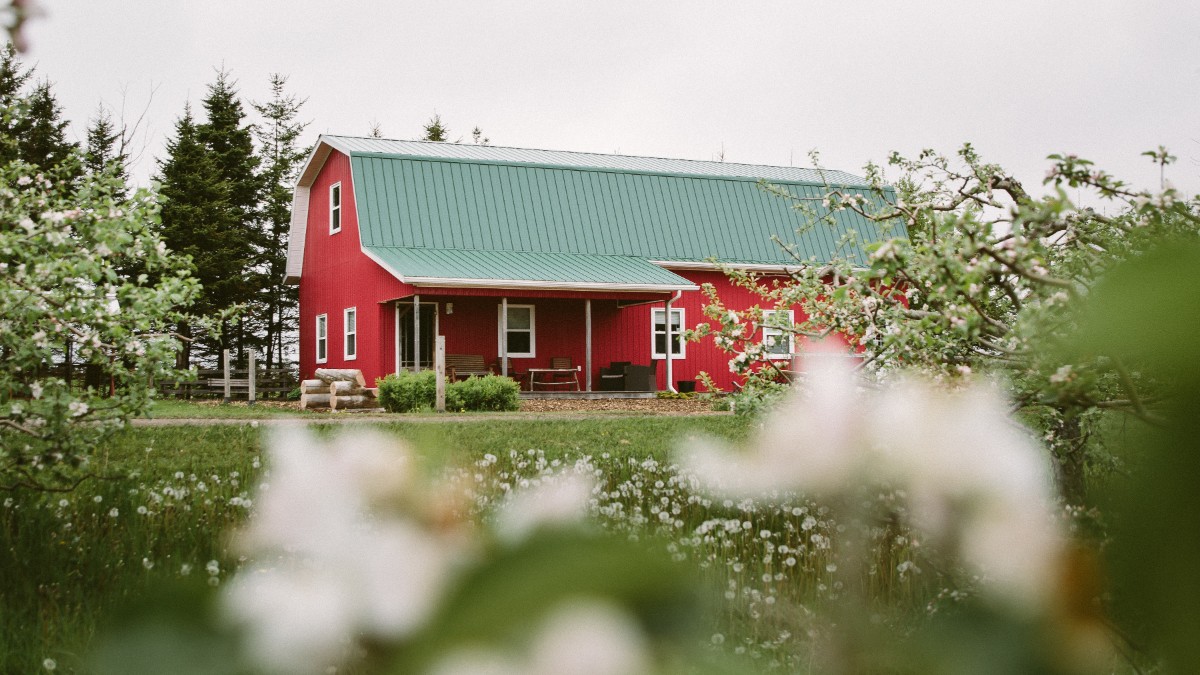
[{"x": 224, "y": 185}]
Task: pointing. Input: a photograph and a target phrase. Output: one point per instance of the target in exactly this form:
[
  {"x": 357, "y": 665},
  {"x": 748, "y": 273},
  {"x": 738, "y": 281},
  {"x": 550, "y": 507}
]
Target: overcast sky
[{"x": 765, "y": 81}]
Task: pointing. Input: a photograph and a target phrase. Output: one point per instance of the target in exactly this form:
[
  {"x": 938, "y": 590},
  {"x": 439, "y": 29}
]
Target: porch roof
[{"x": 524, "y": 269}]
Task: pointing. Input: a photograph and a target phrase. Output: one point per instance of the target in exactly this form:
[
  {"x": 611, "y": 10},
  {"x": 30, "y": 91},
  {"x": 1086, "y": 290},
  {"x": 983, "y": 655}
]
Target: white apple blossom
[
  {"x": 560, "y": 499},
  {"x": 973, "y": 477},
  {"x": 335, "y": 556},
  {"x": 581, "y": 637}
]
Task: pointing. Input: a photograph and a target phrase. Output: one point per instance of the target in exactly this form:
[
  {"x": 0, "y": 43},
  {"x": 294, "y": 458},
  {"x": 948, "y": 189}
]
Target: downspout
[{"x": 671, "y": 344}]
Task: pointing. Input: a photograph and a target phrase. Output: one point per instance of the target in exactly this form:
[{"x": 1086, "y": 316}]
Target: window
[
  {"x": 777, "y": 340},
  {"x": 521, "y": 343},
  {"x": 335, "y": 208},
  {"x": 679, "y": 347},
  {"x": 322, "y": 338},
  {"x": 351, "y": 327}
]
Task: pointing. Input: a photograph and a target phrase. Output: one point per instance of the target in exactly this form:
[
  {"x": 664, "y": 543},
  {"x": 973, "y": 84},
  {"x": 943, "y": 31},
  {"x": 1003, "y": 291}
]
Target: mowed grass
[
  {"x": 172, "y": 494},
  {"x": 214, "y": 409}
]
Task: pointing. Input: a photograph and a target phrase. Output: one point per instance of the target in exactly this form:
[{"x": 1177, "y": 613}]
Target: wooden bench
[{"x": 462, "y": 366}]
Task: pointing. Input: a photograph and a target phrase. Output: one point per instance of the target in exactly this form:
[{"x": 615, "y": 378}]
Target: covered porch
[{"x": 555, "y": 344}]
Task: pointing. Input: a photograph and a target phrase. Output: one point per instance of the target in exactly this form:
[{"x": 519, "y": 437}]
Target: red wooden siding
[{"x": 338, "y": 275}]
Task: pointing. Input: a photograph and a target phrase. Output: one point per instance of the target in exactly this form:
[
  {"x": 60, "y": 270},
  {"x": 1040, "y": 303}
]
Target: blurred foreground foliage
[{"x": 1147, "y": 314}]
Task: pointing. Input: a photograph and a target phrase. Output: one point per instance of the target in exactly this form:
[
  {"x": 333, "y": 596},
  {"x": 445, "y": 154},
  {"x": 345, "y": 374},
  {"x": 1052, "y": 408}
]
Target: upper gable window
[{"x": 335, "y": 208}]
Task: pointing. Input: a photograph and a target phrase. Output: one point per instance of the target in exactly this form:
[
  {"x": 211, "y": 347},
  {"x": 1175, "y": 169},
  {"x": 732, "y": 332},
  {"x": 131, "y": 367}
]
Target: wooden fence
[
  {"x": 228, "y": 382},
  {"x": 209, "y": 383}
]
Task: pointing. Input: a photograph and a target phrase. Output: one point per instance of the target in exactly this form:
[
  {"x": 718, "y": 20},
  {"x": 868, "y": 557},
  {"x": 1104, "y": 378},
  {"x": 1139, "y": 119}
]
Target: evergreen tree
[
  {"x": 12, "y": 102},
  {"x": 230, "y": 142},
  {"x": 105, "y": 151},
  {"x": 435, "y": 130},
  {"x": 281, "y": 156},
  {"x": 229, "y": 264},
  {"x": 42, "y": 133},
  {"x": 198, "y": 220}
]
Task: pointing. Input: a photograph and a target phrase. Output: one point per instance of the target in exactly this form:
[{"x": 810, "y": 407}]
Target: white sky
[{"x": 766, "y": 81}]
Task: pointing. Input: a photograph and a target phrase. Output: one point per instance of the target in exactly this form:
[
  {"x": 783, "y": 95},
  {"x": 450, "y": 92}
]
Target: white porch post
[
  {"x": 504, "y": 336},
  {"x": 587, "y": 329},
  {"x": 439, "y": 367},
  {"x": 397, "y": 317},
  {"x": 416, "y": 333},
  {"x": 670, "y": 351}
]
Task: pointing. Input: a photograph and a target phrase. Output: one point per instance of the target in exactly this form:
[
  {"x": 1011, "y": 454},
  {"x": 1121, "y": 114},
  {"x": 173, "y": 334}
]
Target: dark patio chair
[
  {"x": 642, "y": 378},
  {"x": 612, "y": 378}
]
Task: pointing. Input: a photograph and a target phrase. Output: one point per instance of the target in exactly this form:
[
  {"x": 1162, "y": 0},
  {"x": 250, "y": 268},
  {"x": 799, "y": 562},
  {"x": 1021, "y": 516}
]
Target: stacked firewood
[{"x": 338, "y": 389}]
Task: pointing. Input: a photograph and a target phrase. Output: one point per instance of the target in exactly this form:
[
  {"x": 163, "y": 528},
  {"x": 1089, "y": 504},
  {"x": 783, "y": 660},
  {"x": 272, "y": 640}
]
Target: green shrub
[
  {"x": 294, "y": 395},
  {"x": 756, "y": 398},
  {"x": 408, "y": 392},
  {"x": 492, "y": 392}
]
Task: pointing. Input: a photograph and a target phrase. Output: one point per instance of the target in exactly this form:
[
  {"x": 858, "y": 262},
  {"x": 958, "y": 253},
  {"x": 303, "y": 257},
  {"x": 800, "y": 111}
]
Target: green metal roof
[
  {"x": 439, "y": 267},
  {"x": 413, "y": 203},
  {"x": 462, "y": 213}
]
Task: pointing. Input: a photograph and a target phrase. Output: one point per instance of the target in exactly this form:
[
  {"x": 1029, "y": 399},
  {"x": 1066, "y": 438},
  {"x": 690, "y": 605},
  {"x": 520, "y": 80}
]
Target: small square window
[
  {"x": 778, "y": 341},
  {"x": 659, "y": 334},
  {"x": 521, "y": 342}
]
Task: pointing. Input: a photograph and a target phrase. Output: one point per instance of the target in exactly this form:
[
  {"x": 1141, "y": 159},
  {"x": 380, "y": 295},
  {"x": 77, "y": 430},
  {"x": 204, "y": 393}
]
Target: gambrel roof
[{"x": 468, "y": 215}]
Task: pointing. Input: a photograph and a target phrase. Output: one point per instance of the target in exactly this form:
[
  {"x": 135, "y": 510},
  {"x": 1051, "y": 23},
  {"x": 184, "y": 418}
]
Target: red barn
[{"x": 538, "y": 254}]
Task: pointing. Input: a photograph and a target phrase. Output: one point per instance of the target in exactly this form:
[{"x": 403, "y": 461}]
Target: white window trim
[
  {"x": 532, "y": 353},
  {"x": 655, "y": 312},
  {"x": 346, "y": 333},
  {"x": 341, "y": 198},
  {"x": 769, "y": 332},
  {"x": 322, "y": 320}
]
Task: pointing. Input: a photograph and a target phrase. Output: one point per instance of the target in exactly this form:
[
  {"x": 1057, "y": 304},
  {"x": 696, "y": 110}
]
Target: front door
[{"x": 407, "y": 342}]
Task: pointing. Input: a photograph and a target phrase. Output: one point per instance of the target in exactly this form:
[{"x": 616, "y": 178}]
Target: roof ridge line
[{"x": 587, "y": 152}]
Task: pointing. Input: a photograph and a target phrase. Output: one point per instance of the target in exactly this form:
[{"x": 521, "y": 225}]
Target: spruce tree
[
  {"x": 225, "y": 187},
  {"x": 105, "y": 152},
  {"x": 230, "y": 140},
  {"x": 278, "y": 136},
  {"x": 13, "y": 77},
  {"x": 198, "y": 220},
  {"x": 42, "y": 133},
  {"x": 435, "y": 130}
]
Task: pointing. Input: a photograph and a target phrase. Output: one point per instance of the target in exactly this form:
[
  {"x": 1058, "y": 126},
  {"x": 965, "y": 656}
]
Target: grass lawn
[
  {"x": 214, "y": 409},
  {"x": 67, "y": 559}
]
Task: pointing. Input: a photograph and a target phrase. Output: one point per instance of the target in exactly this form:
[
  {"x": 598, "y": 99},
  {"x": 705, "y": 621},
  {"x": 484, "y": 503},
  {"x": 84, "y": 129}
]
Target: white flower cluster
[
  {"x": 579, "y": 638},
  {"x": 973, "y": 478},
  {"x": 335, "y": 556}
]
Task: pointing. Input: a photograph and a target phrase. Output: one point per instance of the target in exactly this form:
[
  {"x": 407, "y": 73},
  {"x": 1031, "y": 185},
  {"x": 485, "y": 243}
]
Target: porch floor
[{"x": 586, "y": 395}]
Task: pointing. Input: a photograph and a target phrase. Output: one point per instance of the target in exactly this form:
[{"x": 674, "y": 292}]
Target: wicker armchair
[{"x": 612, "y": 378}]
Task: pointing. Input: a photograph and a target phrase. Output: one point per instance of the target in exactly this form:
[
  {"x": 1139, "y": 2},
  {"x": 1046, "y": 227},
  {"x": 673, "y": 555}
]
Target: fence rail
[
  {"x": 229, "y": 382},
  {"x": 209, "y": 382}
]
